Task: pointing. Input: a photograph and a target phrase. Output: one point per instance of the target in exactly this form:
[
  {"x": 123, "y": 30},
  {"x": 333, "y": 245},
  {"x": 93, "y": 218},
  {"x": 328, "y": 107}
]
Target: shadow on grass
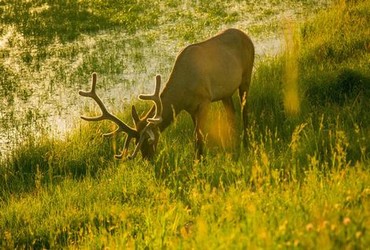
[
  {"x": 46, "y": 161},
  {"x": 43, "y": 22},
  {"x": 348, "y": 84}
]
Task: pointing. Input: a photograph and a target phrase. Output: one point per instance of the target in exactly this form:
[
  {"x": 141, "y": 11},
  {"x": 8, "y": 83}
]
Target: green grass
[{"x": 302, "y": 181}]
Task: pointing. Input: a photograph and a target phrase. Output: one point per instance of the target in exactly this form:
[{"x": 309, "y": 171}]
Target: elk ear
[{"x": 135, "y": 116}]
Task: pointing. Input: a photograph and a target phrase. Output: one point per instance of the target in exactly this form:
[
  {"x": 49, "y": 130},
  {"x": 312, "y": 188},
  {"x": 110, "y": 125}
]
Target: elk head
[{"x": 145, "y": 133}]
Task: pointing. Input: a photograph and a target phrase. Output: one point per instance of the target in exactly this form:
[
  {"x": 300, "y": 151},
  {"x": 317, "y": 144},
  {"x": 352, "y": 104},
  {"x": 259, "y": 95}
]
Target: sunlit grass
[{"x": 301, "y": 182}]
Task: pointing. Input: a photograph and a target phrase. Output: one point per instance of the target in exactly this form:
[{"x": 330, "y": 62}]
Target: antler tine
[
  {"x": 136, "y": 150},
  {"x": 105, "y": 114},
  {"x": 157, "y": 118},
  {"x": 113, "y": 132},
  {"x": 92, "y": 94},
  {"x": 125, "y": 148},
  {"x": 141, "y": 140}
]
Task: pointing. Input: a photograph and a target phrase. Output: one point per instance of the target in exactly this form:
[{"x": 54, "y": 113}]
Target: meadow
[{"x": 301, "y": 182}]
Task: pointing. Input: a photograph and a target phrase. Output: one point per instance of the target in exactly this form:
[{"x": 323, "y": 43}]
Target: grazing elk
[{"x": 203, "y": 73}]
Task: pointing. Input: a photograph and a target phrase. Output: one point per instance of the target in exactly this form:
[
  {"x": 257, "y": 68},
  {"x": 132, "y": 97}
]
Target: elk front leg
[{"x": 200, "y": 119}]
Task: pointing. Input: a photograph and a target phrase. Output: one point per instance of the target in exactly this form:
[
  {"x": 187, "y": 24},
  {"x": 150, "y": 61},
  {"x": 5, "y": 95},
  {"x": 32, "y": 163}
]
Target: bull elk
[{"x": 203, "y": 73}]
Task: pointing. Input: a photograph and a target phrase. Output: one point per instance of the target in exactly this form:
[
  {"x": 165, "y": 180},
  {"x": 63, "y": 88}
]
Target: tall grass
[{"x": 301, "y": 182}]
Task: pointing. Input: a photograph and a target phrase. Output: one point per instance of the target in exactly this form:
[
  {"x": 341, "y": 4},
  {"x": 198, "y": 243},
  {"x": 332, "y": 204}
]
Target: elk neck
[{"x": 170, "y": 110}]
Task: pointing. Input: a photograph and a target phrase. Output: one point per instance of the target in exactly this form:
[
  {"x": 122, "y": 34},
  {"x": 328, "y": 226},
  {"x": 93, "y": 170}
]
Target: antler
[
  {"x": 122, "y": 127},
  {"x": 147, "y": 132},
  {"x": 157, "y": 118}
]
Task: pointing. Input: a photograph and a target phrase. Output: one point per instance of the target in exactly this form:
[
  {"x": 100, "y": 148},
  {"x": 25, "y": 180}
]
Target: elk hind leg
[
  {"x": 243, "y": 94},
  {"x": 231, "y": 122}
]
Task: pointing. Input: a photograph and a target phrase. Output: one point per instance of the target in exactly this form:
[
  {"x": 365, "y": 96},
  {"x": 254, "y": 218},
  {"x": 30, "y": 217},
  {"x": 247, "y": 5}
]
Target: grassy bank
[{"x": 302, "y": 181}]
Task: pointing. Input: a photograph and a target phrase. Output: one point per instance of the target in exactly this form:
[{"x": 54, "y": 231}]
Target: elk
[{"x": 203, "y": 73}]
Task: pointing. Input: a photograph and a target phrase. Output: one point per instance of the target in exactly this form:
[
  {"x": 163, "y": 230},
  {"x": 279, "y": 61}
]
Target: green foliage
[
  {"x": 347, "y": 85},
  {"x": 338, "y": 36},
  {"x": 130, "y": 14},
  {"x": 302, "y": 180},
  {"x": 42, "y": 21},
  {"x": 8, "y": 86},
  {"x": 46, "y": 161}
]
